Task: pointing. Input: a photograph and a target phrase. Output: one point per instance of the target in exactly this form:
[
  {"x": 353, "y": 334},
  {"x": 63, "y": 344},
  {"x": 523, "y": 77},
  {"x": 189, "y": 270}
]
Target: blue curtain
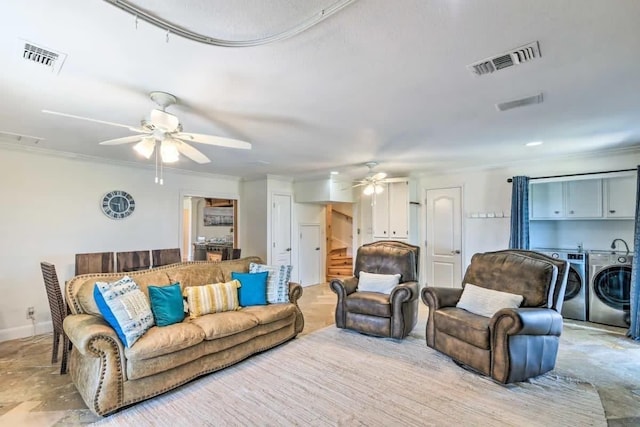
[
  {"x": 634, "y": 330},
  {"x": 520, "y": 213}
]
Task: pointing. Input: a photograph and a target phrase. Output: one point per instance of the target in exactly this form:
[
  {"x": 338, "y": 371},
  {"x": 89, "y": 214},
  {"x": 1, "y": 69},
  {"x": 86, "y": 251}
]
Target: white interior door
[
  {"x": 281, "y": 230},
  {"x": 310, "y": 261},
  {"x": 444, "y": 237}
]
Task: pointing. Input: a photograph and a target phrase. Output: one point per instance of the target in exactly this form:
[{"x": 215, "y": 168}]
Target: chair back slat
[
  {"x": 98, "y": 262},
  {"x": 54, "y": 294},
  {"x": 162, "y": 257},
  {"x": 132, "y": 261}
]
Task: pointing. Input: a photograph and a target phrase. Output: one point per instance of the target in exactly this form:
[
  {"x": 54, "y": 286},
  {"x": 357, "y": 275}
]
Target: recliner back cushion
[
  {"x": 516, "y": 274},
  {"x": 387, "y": 259}
]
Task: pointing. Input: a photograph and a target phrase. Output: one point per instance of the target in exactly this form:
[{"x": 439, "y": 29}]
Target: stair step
[
  {"x": 340, "y": 271},
  {"x": 341, "y": 261},
  {"x": 333, "y": 276},
  {"x": 338, "y": 252}
]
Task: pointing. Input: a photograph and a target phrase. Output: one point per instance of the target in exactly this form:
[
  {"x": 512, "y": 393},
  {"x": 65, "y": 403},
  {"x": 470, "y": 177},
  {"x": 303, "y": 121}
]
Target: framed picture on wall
[{"x": 218, "y": 216}]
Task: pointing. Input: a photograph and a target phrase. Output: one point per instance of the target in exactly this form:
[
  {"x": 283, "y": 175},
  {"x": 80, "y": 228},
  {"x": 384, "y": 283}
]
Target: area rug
[{"x": 339, "y": 377}]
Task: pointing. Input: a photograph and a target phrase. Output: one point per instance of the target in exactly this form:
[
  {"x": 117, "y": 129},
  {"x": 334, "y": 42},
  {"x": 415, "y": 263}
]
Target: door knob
[
  {"x": 317, "y": 249},
  {"x": 455, "y": 252},
  {"x": 288, "y": 249}
]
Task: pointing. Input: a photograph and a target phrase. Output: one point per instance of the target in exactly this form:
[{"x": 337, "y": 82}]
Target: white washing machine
[
  {"x": 610, "y": 288},
  {"x": 575, "y": 296}
]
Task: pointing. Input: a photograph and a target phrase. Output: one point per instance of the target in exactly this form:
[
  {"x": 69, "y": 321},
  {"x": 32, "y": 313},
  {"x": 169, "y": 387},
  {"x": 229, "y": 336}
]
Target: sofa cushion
[
  {"x": 125, "y": 308},
  {"x": 468, "y": 327},
  {"x": 253, "y": 288},
  {"x": 371, "y": 303},
  {"x": 167, "y": 304},
  {"x": 277, "y": 281},
  {"x": 196, "y": 274},
  {"x": 382, "y": 283},
  {"x": 169, "y": 339},
  {"x": 220, "y": 325},
  {"x": 486, "y": 302},
  {"x": 213, "y": 298},
  {"x": 270, "y": 313}
]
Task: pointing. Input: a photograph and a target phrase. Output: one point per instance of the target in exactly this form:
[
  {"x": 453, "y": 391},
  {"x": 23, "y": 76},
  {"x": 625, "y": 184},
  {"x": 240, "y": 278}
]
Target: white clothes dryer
[{"x": 610, "y": 288}]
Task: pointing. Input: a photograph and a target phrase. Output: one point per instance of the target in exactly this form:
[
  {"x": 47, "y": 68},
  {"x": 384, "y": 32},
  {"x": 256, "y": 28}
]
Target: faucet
[{"x": 613, "y": 245}]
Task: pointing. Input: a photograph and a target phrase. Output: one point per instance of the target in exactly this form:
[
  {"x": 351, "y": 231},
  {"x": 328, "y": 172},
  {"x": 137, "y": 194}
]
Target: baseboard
[{"x": 26, "y": 331}]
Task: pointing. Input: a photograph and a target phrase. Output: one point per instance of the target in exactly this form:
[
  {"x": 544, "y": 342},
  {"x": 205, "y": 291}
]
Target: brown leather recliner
[
  {"x": 516, "y": 343},
  {"x": 373, "y": 313}
]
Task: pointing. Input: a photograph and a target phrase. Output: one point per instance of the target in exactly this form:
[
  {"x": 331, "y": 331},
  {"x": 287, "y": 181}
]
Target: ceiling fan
[
  {"x": 373, "y": 181},
  {"x": 163, "y": 134}
]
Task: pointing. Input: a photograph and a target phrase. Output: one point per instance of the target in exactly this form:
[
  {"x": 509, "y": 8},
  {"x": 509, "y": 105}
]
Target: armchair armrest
[
  {"x": 524, "y": 342},
  {"x": 526, "y": 321},
  {"x": 436, "y": 298},
  {"x": 407, "y": 291},
  {"x": 342, "y": 288}
]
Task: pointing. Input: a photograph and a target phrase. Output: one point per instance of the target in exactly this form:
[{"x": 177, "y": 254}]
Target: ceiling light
[
  {"x": 145, "y": 147},
  {"x": 335, "y": 173},
  {"x": 379, "y": 188},
  {"x": 169, "y": 151},
  {"x": 369, "y": 190},
  {"x": 533, "y": 143}
]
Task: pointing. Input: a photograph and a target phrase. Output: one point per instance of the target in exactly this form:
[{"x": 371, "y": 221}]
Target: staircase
[{"x": 340, "y": 265}]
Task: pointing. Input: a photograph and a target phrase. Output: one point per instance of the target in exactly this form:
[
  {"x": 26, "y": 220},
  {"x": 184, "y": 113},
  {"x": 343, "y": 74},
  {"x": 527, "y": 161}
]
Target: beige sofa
[{"x": 110, "y": 376}]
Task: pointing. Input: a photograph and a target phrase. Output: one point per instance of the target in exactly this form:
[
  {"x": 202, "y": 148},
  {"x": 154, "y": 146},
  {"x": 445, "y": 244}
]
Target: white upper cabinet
[
  {"x": 620, "y": 197},
  {"x": 391, "y": 212},
  {"x": 600, "y": 198},
  {"x": 583, "y": 199},
  {"x": 547, "y": 200}
]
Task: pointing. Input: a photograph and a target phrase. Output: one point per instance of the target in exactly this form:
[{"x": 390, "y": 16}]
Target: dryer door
[
  {"x": 612, "y": 286},
  {"x": 574, "y": 284}
]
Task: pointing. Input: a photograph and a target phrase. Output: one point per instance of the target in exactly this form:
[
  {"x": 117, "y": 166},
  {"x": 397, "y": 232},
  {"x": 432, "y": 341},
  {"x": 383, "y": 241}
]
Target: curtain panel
[
  {"x": 519, "y": 238},
  {"x": 634, "y": 329}
]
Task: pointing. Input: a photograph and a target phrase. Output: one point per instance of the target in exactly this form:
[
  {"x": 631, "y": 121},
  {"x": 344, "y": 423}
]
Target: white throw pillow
[
  {"x": 382, "y": 283},
  {"x": 486, "y": 302}
]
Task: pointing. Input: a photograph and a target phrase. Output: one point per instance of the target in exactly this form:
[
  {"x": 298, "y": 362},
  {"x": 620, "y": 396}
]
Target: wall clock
[{"x": 118, "y": 204}]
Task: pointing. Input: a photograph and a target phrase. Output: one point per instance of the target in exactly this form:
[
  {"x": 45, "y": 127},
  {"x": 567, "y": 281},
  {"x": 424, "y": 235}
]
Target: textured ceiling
[{"x": 383, "y": 81}]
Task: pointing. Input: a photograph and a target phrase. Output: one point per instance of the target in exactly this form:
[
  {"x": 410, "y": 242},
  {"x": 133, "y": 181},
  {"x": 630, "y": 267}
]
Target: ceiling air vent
[
  {"x": 522, "y": 102},
  {"x": 515, "y": 56},
  {"x": 42, "y": 56}
]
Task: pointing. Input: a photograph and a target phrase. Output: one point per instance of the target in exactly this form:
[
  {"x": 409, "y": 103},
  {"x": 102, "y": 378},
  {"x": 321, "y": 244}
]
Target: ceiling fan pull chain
[{"x": 156, "y": 165}]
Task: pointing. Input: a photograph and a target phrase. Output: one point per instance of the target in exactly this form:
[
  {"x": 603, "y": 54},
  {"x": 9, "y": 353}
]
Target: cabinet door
[
  {"x": 620, "y": 197},
  {"x": 546, "y": 200},
  {"x": 584, "y": 198},
  {"x": 399, "y": 210},
  {"x": 381, "y": 214}
]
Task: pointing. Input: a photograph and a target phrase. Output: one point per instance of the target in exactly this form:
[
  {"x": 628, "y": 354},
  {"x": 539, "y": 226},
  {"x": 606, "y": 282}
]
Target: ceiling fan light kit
[{"x": 163, "y": 134}]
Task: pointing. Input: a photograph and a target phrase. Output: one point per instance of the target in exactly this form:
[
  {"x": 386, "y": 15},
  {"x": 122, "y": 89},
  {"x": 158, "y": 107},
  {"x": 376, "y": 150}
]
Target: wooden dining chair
[
  {"x": 58, "y": 313},
  {"x": 132, "y": 261},
  {"x": 165, "y": 256},
  {"x": 96, "y": 262},
  {"x": 236, "y": 253}
]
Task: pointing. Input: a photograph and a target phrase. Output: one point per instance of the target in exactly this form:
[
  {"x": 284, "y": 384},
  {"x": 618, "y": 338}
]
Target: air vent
[
  {"x": 42, "y": 56},
  {"x": 515, "y": 56},
  {"x": 522, "y": 102},
  {"x": 20, "y": 138}
]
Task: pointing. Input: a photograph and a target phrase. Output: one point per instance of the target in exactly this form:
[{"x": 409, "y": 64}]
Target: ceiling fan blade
[
  {"x": 212, "y": 140},
  {"x": 359, "y": 185},
  {"x": 379, "y": 176},
  {"x": 191, "y": 152},
  {"x": 104, "y": 122},
  {"x": 124, "y": 140}
]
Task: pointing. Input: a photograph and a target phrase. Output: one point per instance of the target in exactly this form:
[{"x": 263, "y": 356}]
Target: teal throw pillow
[
  {"x": 253, "y": 288},
  {"x": 167, "y": 304},
  {"x": 125, "y": 308}
]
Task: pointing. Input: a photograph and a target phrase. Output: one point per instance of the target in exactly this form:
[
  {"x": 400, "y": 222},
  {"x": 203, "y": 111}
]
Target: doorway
[
  {"x": 208, "y": 224},
  {"x": 310, "y": 261},
  {"x": 444, "y": 237}
]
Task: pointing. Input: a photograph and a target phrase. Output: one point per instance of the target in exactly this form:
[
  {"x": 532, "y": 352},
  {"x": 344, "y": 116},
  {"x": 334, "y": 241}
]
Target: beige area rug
[{"x": 338, "y": 377}]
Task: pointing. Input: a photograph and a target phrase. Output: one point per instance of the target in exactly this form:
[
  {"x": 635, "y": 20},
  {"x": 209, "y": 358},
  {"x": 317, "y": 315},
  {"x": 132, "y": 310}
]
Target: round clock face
[{"x": 118, "y": 204}]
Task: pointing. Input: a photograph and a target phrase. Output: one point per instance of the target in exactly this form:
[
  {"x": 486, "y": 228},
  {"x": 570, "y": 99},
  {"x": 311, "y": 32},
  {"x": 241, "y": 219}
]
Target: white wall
[
  {"x": 252, "y": 215},
  {"x": 51, "y": 211},
  {"x": 488, "y": 191}
]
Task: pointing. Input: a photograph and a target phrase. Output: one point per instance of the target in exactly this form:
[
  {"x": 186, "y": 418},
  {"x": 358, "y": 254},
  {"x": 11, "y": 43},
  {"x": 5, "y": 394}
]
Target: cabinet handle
[
  {"x": 394, "y": 232},
  {"x": 556, "y": 212},
  {"x": 612, "y": 211},
  {"x": 571, "y": 212},
  {"x": 384, "y": 232}
]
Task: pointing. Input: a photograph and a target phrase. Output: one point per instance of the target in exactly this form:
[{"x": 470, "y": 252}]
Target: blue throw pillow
[
  {"x": 253, "y": 288},
  {"x": 167, "y": 304},
  {"x": 125, "y": 308}
]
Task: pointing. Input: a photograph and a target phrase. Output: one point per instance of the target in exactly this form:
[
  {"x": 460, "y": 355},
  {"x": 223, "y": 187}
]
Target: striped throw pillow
[
  {"x": 214, "y": 298},
  {"x": 277, "y": 281}
]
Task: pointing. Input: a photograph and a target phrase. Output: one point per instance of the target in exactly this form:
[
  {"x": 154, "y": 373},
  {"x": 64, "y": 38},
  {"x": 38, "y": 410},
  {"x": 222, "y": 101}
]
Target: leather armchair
[
  {"x": 516, "y": 343},
  {"x": 393, "y": 315}
]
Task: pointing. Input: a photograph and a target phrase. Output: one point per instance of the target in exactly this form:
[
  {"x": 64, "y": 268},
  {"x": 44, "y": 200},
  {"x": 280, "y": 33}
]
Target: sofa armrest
[
  {"x": 436, "y": 298},
  {"x": 295, "y": 292},
  {"x": 84, "y": 329}
]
